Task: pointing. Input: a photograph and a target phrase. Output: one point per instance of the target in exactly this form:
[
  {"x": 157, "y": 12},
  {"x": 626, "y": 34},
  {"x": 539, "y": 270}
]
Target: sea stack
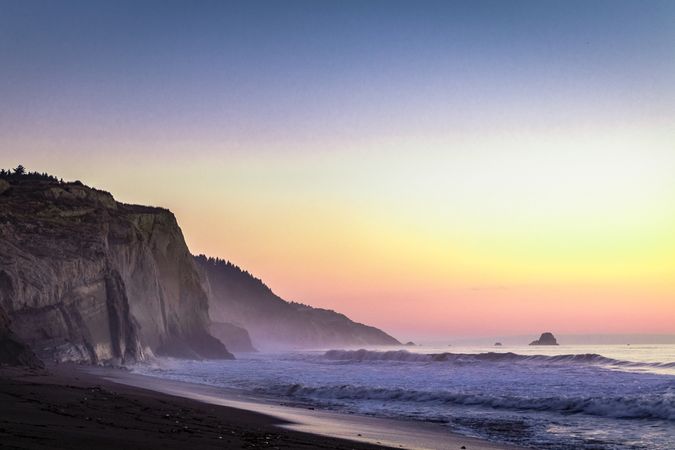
[{"x": 545, "y": 339}]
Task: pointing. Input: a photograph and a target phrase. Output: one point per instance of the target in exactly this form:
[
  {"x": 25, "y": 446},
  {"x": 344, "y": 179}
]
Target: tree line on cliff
[{"x": 20, "y": 172}]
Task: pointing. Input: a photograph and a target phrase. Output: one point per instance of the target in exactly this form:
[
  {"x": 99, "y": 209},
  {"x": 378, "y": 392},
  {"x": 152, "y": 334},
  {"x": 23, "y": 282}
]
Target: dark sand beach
[{"x": 71, "y": 407}]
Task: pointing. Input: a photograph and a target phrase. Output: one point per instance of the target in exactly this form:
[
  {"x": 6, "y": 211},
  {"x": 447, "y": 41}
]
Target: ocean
[{"x": 566, "y": 397}]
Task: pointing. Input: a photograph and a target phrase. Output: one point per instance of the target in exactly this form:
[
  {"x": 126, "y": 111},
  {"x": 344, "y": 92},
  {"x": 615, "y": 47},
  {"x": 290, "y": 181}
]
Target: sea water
[{"x": 566, "y": 397}]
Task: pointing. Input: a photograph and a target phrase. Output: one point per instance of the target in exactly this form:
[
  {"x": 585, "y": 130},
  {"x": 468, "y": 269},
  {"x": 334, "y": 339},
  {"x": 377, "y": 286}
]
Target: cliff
[
  {"x": 273, "y": 323},
  {"x": 12, "y": 351},
  {"x": 235, "y": 338},
  {"x": 85, "y": 278}
]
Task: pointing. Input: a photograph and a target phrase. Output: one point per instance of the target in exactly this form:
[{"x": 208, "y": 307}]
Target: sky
[{"x": 454, "y": 168}]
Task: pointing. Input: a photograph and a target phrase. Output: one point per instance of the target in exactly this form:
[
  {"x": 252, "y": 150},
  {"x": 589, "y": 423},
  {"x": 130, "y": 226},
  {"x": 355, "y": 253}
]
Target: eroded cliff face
[
  {"x": 13, "y": 352},
  {"x": 85, "y": 278}
]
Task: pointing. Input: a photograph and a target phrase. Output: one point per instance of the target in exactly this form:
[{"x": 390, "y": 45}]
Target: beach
[
  {"x": 80, "y": 407},
  {"x": 605, "y": 397}
]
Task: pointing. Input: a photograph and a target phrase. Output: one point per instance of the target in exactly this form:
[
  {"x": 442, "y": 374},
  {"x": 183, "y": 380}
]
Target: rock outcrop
[
  {"x": 12, "y": 351},
  {"x": 4, "y": 186},
  {"x": 85, "y": 278},
  {"x": 235, "y": 338},
  {"x": 545, "y": 339},
  {"x": 273, "y": 323}
]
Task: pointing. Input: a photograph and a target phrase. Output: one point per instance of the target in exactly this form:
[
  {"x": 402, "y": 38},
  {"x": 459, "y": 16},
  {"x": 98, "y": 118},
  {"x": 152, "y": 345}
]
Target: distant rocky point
[
  {"x": 545, "y": 339},
  {"x": 237, "y": 297},
  {"x": 410, "y": 344},
  {"x": 498, "y": 344}
]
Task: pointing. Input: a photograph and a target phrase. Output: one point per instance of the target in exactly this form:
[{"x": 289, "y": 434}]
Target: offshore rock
[{"x": 545, "y": 339}]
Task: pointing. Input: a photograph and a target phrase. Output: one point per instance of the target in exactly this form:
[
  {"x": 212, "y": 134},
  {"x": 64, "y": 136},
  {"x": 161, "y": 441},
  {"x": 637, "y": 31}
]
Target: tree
[{"x": 20, "y": 170}]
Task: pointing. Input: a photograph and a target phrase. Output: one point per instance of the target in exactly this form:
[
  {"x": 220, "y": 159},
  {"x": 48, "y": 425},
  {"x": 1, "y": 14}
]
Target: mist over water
[{"x": 567, "y": 397}]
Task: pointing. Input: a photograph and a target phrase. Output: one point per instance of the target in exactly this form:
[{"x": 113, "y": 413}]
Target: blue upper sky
[{"x": 294, "y": 68}]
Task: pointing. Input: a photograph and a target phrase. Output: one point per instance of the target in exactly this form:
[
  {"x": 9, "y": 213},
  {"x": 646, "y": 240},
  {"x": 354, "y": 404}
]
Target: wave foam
[
  {"x": 647, "y": 406},
  {"x": 468, "y": 358}
]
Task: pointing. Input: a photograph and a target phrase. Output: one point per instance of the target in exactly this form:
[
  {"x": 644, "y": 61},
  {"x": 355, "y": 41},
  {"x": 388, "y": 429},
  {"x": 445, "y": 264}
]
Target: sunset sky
[{"x": 477, "y": 168}]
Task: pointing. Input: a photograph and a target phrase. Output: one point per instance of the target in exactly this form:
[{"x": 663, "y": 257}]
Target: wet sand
[{"x": 75, "y": 407}]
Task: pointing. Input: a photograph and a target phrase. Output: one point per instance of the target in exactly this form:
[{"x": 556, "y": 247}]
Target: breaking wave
[
  {"x": 579, "y": 400},
  {"x": 656, "y": 406},
  {"x": 494, "y": 357}
]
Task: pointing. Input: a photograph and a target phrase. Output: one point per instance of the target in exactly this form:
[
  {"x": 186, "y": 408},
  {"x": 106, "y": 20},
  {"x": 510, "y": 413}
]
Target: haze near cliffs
[{"x": 274, "y": 323}]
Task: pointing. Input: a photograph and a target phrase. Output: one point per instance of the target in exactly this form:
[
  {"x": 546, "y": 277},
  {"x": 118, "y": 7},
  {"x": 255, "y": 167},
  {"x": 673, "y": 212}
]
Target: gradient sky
[{"x": 431, "y": 168}]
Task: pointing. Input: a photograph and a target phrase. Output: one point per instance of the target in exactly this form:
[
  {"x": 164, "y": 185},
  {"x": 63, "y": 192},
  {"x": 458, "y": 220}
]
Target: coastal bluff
[
  {"x": 85, "y": 278},
  {"x": 273, "y": 323}
]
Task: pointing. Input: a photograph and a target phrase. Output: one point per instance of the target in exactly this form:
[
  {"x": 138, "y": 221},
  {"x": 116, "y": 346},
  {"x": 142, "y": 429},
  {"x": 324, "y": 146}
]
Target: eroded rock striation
[
  {"x": 13, "y": 352},
  {"x": 273, "y": 323},
  {"x": 86, "y": 278}
]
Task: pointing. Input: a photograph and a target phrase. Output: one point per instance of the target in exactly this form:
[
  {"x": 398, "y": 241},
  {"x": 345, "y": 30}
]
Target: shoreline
[
  {"x": 82, "y": 407},
  {"x": 390, "y": 433},
  {"x": 68, "y": 407}
]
